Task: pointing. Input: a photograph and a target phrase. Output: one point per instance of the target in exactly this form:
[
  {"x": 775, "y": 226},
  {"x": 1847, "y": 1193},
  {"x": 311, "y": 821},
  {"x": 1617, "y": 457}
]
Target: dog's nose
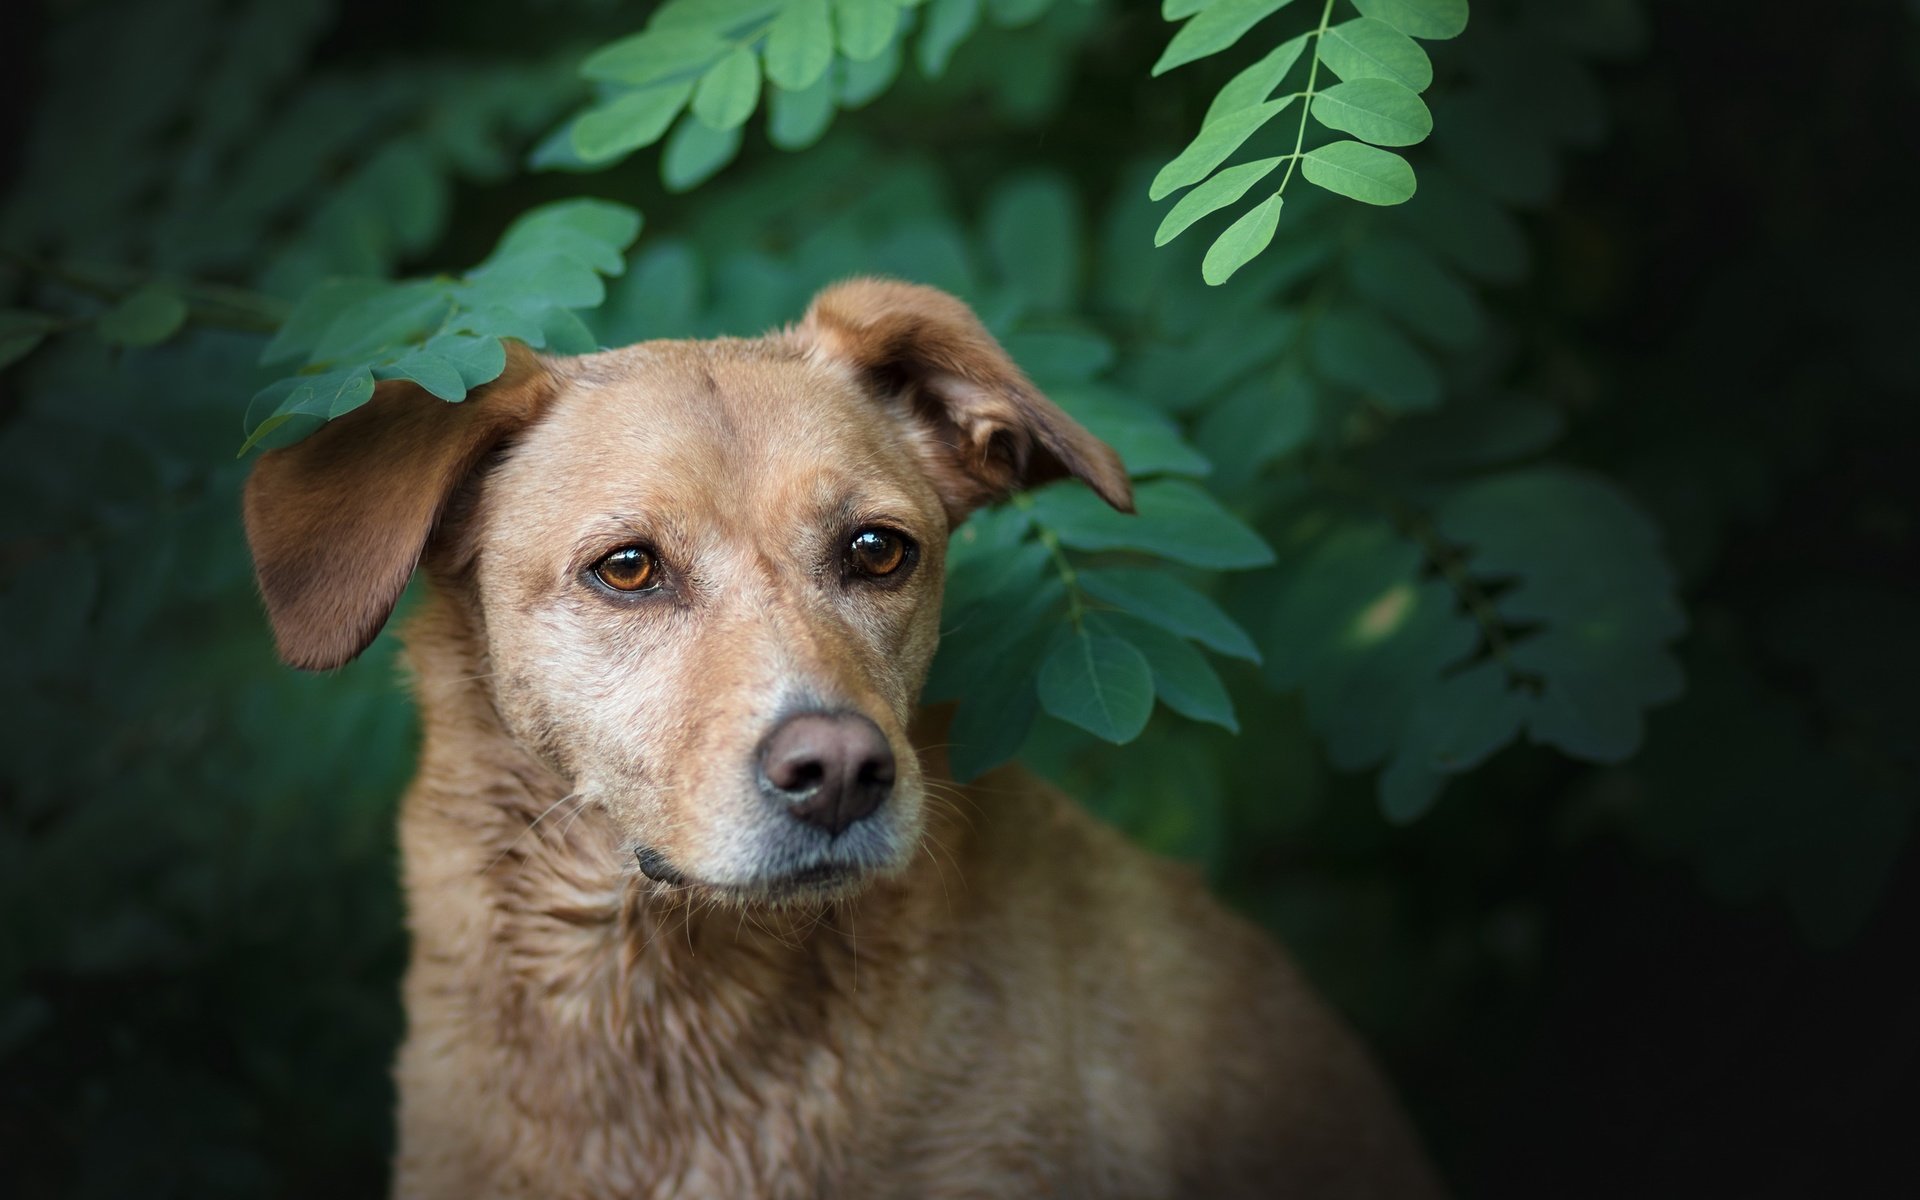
[{"x": 829, "y": 769}]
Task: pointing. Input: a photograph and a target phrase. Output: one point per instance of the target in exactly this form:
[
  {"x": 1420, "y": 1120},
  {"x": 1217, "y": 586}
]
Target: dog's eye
[
  {"x": 628, "y": 569},
  {"x": 877, "y": 553}
]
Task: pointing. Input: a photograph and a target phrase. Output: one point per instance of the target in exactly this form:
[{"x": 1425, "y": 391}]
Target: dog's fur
[{"x": 979, "y": 992}]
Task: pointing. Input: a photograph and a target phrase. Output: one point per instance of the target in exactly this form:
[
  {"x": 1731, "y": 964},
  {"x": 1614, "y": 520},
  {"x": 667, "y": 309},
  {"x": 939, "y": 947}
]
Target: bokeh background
[{"x": 1668, "y": 250}]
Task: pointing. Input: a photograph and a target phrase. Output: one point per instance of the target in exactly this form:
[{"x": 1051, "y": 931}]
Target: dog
[{"x": 695, "y": 910}]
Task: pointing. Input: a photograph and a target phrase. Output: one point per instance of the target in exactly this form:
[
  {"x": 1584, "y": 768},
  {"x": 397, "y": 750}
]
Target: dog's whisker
[{"x": 511, "y": 846}]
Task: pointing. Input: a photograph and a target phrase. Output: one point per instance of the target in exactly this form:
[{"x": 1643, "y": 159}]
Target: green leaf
[
  {"x": 1379, "y": 110},
  {"x": 1455, "y": 726},
  {"x": 593, "y": 231},
  {"x": 947, "y": 24},
  {"x": 1182, "y": 677},
  {"x": 1012, "y": 14},
  {"x": 695, "y": 153},
  {"x": 1368, "y": 676},
  {"x": 325, "y": 396},
  {"x": 148, "y": 317},
  {"x": 800, "y": 45},
  {"x": 1365, "y": 48},
  {"x": 725, "y": 18},
  {"x": 316, "y": 311},
  {"x": 990, "y": 724},
  {"x": 796, "y": 120},
  {"x": 1430, "y": 19},
  {"x": 1177, "y": 520},
  {"x": 1407, "y": 790},
  {"x": 1174, "y": 606},
  {"x": 1325, "y": 585},
  {"x": 1258, "y": 422},
  {"x": 1583, "y": 569},
  {"x": 478, "y": 359},
  {"x": 990, "y": 643},
  {"x": 1216, "y": 193},
  {"x": 395, "y": 315},
  {"x": 529, "y": 280},
  {"x": 1360, "y": 172},
  {"x": 1212, "y": 145},
  {"x": 1355, "y": 348},
  {"x": 429, "y": 370},
  {"x": 729, "y": 91},
  {"x": 411, "y": 192},
  {"x": 1586, "y": 708},
  {"x": 1058, "y": 356},
  {"x": 495, "y": 321},
  {"x": 1580, "y": 553},
  {"x": 1405, "y": 281},
  {"x": 654, "y": 56},
  {"x": 1243, "y": 239},
  {"x": 627, "y": 122},
  {"x": 1000, "y": 581},
  {"x": 865, "y": 27},
  {"x": 1147, "y": 440},
  {"x": 1098, "y": 682},
  {"x": 1214, "y": 28},
  {"x": 1257, "y": 82},
  {"x": 566, "y": 333},
  {"x": 859, "y": 83},
  {"x": 1033, "y": 231}
]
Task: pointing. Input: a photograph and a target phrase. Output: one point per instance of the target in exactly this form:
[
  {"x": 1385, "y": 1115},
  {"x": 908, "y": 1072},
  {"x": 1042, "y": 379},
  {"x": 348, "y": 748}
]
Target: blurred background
[{"x": 1644, "y": 340}]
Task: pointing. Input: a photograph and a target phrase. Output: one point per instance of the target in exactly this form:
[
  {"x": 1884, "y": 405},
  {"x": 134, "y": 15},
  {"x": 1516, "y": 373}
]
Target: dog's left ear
[
  {"x": 986, "y": 431},
  {"x": 338, "y": 522}
]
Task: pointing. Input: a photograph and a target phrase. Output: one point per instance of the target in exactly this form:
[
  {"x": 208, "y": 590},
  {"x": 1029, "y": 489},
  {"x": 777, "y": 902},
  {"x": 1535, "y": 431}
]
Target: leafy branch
[
  {"x": 142, "y": 308},
  {"x": 701, "y": 68},
  {"x": 1382, "y": 72},
  {"x": 444, "y": 334}
]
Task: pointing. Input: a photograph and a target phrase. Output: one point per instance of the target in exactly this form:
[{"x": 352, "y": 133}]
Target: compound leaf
[{"x": 147, "y": 317}]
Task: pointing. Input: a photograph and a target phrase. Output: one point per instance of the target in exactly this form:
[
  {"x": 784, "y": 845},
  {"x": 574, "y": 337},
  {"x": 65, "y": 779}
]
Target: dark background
[{"x": 1689, "y": 974}]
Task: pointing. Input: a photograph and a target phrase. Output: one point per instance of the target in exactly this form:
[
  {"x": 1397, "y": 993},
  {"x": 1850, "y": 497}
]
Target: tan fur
[{"x": 1006, "y": 999}]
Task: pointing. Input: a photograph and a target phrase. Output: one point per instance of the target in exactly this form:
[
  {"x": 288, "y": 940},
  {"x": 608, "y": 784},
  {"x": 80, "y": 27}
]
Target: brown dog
[{"x": 691, "y": 914}]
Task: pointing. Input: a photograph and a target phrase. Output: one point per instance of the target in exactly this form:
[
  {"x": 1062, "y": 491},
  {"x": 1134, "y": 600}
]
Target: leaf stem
[
  {"x": 1076, "y": 602},
  {"x": 1306, "y": 97},
  {"x": 207, "y": 303}
]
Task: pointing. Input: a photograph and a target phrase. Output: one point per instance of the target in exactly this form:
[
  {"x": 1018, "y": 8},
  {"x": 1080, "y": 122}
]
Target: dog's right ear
[
  {"x": 338, "y": 522},
  {"x": 985, "y": 429}
]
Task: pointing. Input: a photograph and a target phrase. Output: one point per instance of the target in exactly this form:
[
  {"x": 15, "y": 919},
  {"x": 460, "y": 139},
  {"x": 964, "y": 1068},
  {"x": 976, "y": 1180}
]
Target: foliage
[
  {"x": 445, "y": 334},
  {"x": 1401, "y": 522},
  {"x": 1381, "y": 71}
]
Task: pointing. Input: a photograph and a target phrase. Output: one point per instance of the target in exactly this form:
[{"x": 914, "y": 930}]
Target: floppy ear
[
  {"x": 338, "y": 522},
  {"x": 986, "y": 430}
]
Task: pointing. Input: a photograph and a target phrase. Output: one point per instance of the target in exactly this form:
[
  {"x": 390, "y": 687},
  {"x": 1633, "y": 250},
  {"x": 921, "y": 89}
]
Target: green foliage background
[{"x": 1535, "y": 500}]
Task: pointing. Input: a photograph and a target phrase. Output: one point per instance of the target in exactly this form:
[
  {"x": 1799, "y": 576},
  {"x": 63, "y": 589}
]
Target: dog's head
[{"x": 706, "y": 575}]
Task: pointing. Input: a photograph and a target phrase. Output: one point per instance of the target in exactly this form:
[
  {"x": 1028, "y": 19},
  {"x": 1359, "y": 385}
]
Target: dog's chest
[{"x": 719, "y": 1069}]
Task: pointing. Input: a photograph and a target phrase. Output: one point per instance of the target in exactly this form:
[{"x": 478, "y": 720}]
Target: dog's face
[
  {"x": 707, "y": 574},
  {"x": 706, "y": 560}
]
